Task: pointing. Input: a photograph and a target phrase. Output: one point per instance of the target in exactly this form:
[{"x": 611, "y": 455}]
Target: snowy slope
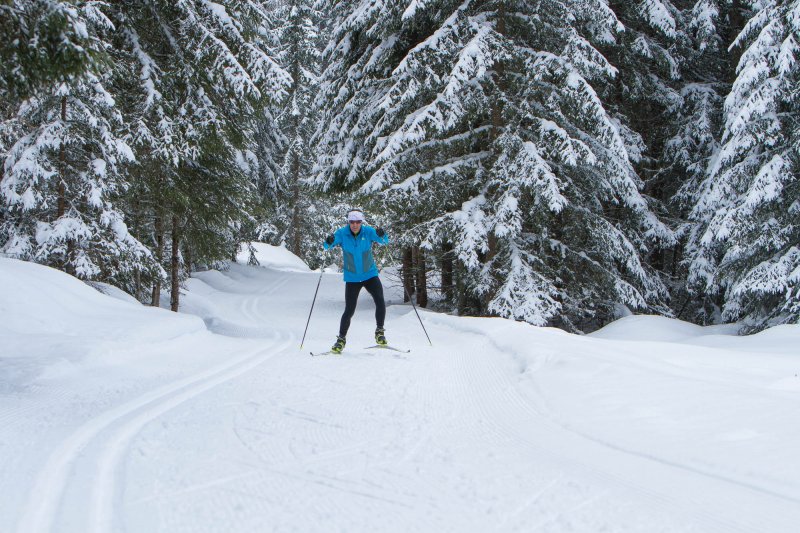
[{"x": 119, "y": 417}]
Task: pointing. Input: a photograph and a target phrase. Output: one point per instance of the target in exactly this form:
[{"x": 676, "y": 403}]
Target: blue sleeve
[
  {"x": 380, "y": 240},
  {"x": 337, "y": 240}
]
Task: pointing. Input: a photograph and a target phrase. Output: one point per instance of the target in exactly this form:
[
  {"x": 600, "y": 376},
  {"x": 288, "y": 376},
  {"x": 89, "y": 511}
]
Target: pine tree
[
  {"x": 481, "y": 126},
  {"x": 65, "y": 170},
  {"x": 44, "y": 42},
  {"x": 645, "y": 93},
  {"x": 695, "y": 122},
  {"x": 286, "y": 149},
  {"x": 698, "y": 113},
  {"x": 204, "y": 77},
  {"x": 747, "y": 246}
]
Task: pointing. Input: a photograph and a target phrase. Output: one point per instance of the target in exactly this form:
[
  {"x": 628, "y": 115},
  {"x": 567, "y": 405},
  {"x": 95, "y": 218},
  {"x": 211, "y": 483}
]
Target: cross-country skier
[{"x": 359, "y": 271}]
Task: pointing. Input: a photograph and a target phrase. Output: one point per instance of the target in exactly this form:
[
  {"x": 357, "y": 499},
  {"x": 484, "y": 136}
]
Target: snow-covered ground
[{"x": 120, "y": 417}]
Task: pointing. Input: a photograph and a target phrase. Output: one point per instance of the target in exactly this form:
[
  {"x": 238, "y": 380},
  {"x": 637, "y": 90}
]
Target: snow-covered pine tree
[
  {"x": 645, "y": 93},
  {"x": 65, "y": 170},
  {"x": 287, "y": 165},
  {"x": 44, "y": 42},
  {"x": 748, "y": 243},
  {"x": 204, "y": 74},
  {"x": 647, "y": 100},
  {"x": 697, "y": 117},
  {"x": 481, "y": 126},
  {"x": 696, "y": 125}
]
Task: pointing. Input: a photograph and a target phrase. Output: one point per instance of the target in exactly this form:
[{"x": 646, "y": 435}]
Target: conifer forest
[{"x": 558, "y": 162}]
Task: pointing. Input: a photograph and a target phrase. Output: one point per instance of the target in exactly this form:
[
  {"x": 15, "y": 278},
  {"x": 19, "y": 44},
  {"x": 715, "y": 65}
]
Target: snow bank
[
  {"x": 275, "y": 257},
  {"x": 658, "y": 328},
  {"x": 650, "y": 328},
  {"x": 41, "y": 301}
]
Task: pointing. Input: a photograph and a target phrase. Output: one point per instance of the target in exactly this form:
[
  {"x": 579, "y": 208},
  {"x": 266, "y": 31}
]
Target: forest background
[{"x": 560, "y": 162}]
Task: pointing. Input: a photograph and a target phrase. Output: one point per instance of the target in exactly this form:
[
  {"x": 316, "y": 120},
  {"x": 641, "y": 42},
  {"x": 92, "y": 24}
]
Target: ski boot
[
  {"x": 380, "y": 337},
  {"x": 338, "y": 346}
]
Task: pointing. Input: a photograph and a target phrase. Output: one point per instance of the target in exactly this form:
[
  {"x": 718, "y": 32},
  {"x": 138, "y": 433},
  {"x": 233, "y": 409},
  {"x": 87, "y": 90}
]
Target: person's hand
[
  {"x": 329, "y": 239},
  {"x": 380, "y": 232}
]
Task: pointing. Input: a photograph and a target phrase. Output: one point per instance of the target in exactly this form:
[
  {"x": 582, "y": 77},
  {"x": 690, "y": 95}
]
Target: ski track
[
  {"x": 372, "y": 437},
  {"x": 112, "y": 431}
]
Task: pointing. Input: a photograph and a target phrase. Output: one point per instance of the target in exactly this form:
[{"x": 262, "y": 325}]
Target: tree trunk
[
  {"x": 62, "y": 159},
  {"x": 155, "y": 301},
  {"x": 295, "y": 245},
  {"x": 176, "y": 266},
  {"x": 736, "y": 22},
  {"x": 447, "y": 271},
  {"x": 498, "y": 123},
  {"x": 421, "y": 276},
  {"x": 461, "y": 291},
  {"x": 61, "y": 208},
  {"x": 408, "y": 275},
  {"x": 137, "y": 274},
  {"x": 484, "y": 302},
  {"x": 295, "y": 167},
  {"x": 187, "y": 254}
]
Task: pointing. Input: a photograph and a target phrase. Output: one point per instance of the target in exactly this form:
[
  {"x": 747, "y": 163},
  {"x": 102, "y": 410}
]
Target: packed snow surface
[{"x": 120, "y": 417}]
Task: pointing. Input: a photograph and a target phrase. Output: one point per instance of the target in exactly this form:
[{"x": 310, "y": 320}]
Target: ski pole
[
  {"x": 321, "y": 272},
  {"x": 415, "y": 310}
]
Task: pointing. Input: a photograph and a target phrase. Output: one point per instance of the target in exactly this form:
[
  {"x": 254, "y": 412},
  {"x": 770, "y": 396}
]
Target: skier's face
[{"x": 355, "y": 226}]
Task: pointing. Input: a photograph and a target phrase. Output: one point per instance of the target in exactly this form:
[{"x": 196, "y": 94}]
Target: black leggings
[{"x": 351, "y": 290}]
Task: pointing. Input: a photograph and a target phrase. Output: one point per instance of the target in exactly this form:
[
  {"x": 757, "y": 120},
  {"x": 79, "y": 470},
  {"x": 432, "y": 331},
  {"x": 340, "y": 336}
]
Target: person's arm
[
  {"x": 332, "y": 240},
  {"x": 380, "y": 236}
]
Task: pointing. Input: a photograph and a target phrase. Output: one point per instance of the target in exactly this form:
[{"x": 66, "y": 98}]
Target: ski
[
  {"x": 387, "y": 347},
  {"x": 323, "y": 353},
  {"x": 376, "y": 346}
]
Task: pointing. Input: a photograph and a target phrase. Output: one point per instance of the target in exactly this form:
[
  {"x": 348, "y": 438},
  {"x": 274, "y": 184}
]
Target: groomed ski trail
[
  {"x": 462, "y": 437},
  {"x": 111, "y": 432}
]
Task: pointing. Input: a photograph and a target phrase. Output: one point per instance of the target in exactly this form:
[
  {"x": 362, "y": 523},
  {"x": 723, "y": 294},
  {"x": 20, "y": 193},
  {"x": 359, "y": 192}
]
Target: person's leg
[
  {"x": 375, "y": 288},
  {"x": 351, "y": 291}
]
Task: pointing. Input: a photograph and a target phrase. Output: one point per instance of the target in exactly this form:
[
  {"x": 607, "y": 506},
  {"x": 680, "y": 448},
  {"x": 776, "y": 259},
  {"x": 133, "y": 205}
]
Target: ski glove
[
  {"x": 329, "y": 239},
  {"x": 380, "y": 232}
]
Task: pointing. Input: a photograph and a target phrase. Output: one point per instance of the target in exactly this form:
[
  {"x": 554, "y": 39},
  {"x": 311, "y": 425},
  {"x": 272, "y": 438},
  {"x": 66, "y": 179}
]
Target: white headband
[{"x": 355, "y": 215}]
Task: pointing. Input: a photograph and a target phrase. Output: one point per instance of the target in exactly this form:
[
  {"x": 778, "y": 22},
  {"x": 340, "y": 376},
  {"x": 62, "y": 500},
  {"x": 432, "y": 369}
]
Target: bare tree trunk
[
  {"x": 137, "y": 274},
  {"x": 295, "y": 244},
  {"x": 447, "y": 271},
  {"x": 498, "y": 122},
  {"x": 492, "y": 241},
  {"x": 736, "y": 21},
  {"x": 155, "y": 301},
  {"x": 461, "y": 291},
  {"x": 62, "y": 159},
  {"x": 187, "y": 255},
  {"x": 421, "y": 275},
  {"x": 137, "y": 285},
  {"x": 176, "y": 265},
  {"x": 408, "y": 275},
  {"x": 61, "y": 208}
]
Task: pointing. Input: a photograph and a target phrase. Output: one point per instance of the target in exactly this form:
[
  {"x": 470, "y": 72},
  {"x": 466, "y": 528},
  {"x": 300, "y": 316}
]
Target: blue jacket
[{"x": 359, "y": 265}]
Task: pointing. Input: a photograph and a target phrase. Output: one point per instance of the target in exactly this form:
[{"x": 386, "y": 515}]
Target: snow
[
  {"x": 658, "y": 328},
  {"x": 118, "y": 416},
  {"x": 275, "y": 257}
]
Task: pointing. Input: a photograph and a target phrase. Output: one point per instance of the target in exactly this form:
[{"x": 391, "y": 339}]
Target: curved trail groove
[{"x": 122, "y": 423}]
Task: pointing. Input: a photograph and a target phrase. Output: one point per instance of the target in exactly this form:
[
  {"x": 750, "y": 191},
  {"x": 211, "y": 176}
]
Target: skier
[{"x": 359, "y": 271}]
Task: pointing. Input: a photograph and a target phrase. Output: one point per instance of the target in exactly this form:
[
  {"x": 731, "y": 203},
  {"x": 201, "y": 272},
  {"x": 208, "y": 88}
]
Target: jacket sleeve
[
  {"x": 337, "y": 240},
  {"x": 380, "y": 240}
]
